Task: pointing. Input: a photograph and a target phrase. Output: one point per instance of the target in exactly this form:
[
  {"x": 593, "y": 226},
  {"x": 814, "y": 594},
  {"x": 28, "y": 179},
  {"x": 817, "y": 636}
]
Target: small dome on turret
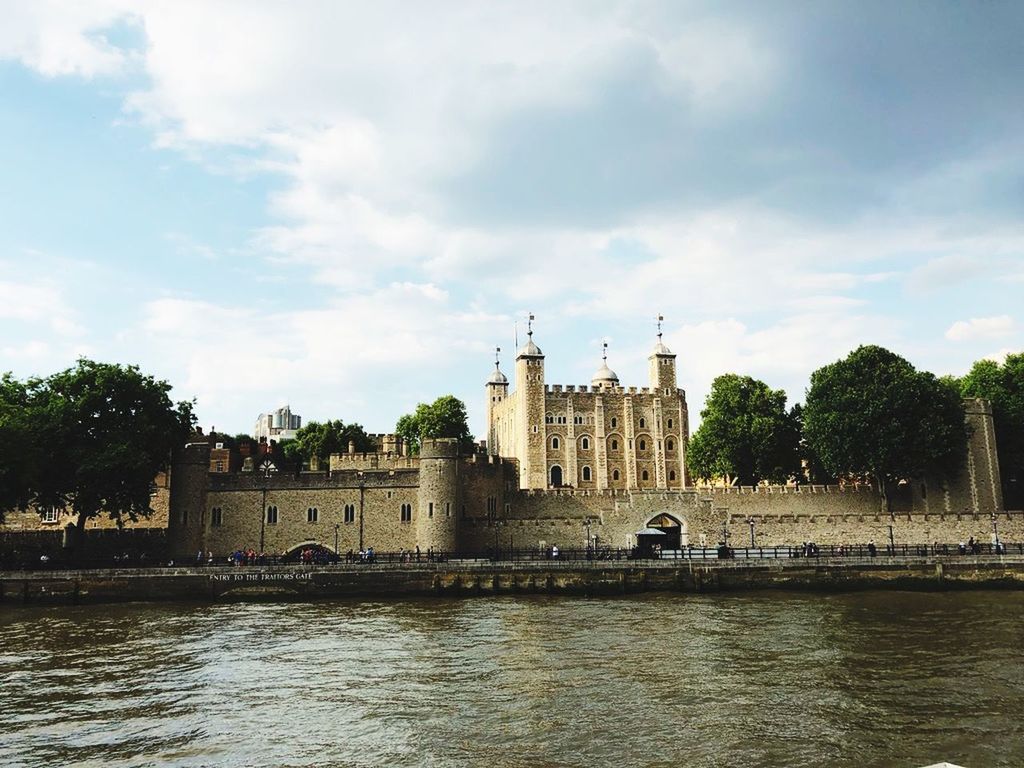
[
  {"x": 529, "y": 349},
  {"x": 497, "y": 377},
  {"x": 604, "y": 376},
  {"x": 659, "y": 348}
]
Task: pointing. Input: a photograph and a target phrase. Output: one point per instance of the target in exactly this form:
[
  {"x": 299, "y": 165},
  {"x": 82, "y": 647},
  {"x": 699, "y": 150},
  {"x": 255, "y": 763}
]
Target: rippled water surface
[{"x": 867, "y": 679}]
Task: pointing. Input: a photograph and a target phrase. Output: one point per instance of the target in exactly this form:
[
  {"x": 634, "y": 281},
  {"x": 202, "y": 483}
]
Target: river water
[{"x": 757, "y": 679}]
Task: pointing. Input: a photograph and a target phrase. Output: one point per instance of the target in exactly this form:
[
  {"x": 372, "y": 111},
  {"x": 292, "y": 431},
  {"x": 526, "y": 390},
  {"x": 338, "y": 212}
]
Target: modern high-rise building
[{"x": 277, "y": 425}]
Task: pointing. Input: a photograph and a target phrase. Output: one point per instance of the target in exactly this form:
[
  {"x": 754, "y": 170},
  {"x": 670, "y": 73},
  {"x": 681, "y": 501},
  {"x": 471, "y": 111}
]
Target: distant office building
[{"x": 277, "y": 425}]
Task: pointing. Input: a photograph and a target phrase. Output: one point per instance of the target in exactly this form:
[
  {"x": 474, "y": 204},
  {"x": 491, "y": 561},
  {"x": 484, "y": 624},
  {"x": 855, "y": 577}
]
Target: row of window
[
  {"x": 613, "y": 444},
  {"x": 313, "y": 514},
  {"x": 614, "y": 423},
  {"x": 586, "y": 476}
]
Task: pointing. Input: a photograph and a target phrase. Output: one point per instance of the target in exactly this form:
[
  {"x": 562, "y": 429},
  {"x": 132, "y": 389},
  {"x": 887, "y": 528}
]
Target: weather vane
[{"x": 660, "y": 318}]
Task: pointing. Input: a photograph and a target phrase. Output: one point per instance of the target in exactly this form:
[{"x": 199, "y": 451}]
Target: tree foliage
[
  {"x": 1003, "y": 384},
  {"x": 321, "y": 439},
  {"x": 445, "y": 417},
  {"x": 103, "y": 431},
  {"x": 745, "y": 433},
  {"x": 18, "y": 449},
  {"x": 874, "y": 414}
]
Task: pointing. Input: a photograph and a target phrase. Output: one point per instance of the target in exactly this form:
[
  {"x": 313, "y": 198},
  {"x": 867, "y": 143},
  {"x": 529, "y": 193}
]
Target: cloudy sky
[{"x": 345, "y": 207}]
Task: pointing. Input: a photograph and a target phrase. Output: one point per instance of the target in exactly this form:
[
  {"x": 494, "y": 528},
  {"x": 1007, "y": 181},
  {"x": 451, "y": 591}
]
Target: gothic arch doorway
[
  {"x": 556, "y": 476},
  {"x": 676, "y": 536}
]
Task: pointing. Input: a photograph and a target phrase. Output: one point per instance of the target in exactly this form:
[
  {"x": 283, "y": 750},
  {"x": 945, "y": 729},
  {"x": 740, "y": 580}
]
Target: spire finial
[
  {"x": 660, "y": 318},
  {"x": 497, "y": 362},
  {"x": 529, "y": 326},
  {"x": 604, "y": 352}
]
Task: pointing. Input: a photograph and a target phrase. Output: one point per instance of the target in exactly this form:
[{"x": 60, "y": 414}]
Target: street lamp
[
  {"x": 995, "y": 533},
  {"x": 265, "y": 471},
  {"x": 892, "y": 542},
  {"x": 750, "y": 522},
  {"x": 336, "y": 528},
  {"x": 586, "y": 522}
]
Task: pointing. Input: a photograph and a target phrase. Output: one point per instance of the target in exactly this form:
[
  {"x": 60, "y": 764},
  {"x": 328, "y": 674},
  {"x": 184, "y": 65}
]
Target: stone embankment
[{"x": 465, "y": 578}]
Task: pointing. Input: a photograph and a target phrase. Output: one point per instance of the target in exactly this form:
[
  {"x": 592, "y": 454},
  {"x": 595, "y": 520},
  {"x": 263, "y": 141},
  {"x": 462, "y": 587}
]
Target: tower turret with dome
[
  {"x": 662, "y": 366},
  {"x": 529, "y": 396},
  {"x": 604, "y": 377},
  {"x": 497, "y": 392}
]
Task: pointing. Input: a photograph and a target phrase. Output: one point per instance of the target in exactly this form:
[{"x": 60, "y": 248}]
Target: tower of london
[{"x": 596, "y": 437}]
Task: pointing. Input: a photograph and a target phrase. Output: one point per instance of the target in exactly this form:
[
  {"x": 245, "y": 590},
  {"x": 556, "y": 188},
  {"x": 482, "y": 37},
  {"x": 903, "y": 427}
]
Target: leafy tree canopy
[
  {"x": 874, "y": 414},
  {"x": 1003, "y": 384},
  {"x": 321, "y": 439},
  {"x": 445, "y": 417},
  {"x": 745, "y": 433},
  {"x": 18, "y": 450},
  {"x": 105, "y": 431}
]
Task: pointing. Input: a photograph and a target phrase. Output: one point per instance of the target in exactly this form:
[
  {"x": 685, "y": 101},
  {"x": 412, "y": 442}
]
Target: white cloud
[
  {"x": 980, "y": 328},
  {"x": 1002, "y": 354},
  {"x": 57, "y": 38}
]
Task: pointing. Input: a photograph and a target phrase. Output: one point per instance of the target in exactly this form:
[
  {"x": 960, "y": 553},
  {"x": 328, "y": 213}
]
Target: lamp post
[
  {"x": 586, "y": 522},
  {"x": 995, "y": 533},
  {"x": 750, "y": 522},
  {"x": 892, "y": 542},
  {"x": 336, "y": 528},
  {"x": 263, "y": 512}
]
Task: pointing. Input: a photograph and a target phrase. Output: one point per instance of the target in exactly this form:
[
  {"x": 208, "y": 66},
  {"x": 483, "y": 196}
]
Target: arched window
[
  {"x": 642, "y": 422},
  {"x": 670, "y": 445},
  {"x": 272, "y": 515},
  {"x": 672, "y": 475},
  {"x": 615, "y": 422},
  {"x": 615, "y": 474},
  {"x": 642, "y": 445},
  {"x": 406, "y": 513},
  {"x": 556, "y": 476},
  {"x": 312, "y": 514},
  {"x": 644, "y": 475},
  {"x": 670, "y": 423},
  {"x": 586, "y": 474},
  {"x": 585, "y": 443},
  {"x": 555, "y": 442},
  {"x": 615, "y": 445}
]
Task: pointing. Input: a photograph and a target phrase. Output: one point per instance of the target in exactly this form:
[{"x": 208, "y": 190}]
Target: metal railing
[{"x": 323, "y": 557}]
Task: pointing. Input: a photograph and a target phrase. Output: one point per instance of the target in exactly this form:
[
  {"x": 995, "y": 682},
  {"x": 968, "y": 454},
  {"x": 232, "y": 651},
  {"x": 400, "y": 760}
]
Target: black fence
[{"x": 324, "y": 557}]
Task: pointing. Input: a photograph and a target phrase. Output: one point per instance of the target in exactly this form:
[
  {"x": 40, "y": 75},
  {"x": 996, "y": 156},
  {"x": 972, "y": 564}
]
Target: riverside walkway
[{"x": 457, "y": 576}]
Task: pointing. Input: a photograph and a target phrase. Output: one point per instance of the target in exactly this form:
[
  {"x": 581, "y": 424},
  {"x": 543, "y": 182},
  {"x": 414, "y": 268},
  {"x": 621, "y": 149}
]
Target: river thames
[{"x": 758, "y": 679}]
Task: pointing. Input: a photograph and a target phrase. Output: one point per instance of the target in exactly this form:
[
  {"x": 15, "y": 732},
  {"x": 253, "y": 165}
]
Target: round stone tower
[
  {"x": 438, "y": 511},
  {"x": 190, "y": 478},
  {"x": 497, "y": 393}
]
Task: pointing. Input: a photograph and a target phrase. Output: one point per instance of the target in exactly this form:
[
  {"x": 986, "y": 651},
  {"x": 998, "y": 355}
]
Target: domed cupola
[
  {"x": 659, "y": 348},
  {"x": 497, "y": 377},
  {"x": 604, "y": 376},
  {"x": 529, "y": 349}
]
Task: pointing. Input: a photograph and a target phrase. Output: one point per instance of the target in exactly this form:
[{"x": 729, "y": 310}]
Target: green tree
[
  {"x": 321, "y": 439},
  {"x": 1004, "y": 386},
  {"x": 874, "y": 414},
  {"x": 745, "y": 433},
  {"x": 105, "y": 432},
  {"x": 445, "y": 417},
  {"x": 812, "y": 467},
  {"x": 18, "y": 449}
]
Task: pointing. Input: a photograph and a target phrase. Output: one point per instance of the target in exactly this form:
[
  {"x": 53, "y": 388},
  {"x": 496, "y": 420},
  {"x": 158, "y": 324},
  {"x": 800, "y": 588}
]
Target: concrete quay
[{"x": 478, "y": 577}]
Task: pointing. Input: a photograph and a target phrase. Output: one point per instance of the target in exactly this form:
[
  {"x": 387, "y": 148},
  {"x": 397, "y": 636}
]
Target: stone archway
[
  {"x": 556, "y": 476},
  {"x": 320, "y": 552},
  {"x": 676, "y": 535}
]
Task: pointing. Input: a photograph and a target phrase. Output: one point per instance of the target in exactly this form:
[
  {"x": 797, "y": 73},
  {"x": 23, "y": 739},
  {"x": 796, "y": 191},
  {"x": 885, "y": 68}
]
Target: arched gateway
[{"x": 675, "y": 533}]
